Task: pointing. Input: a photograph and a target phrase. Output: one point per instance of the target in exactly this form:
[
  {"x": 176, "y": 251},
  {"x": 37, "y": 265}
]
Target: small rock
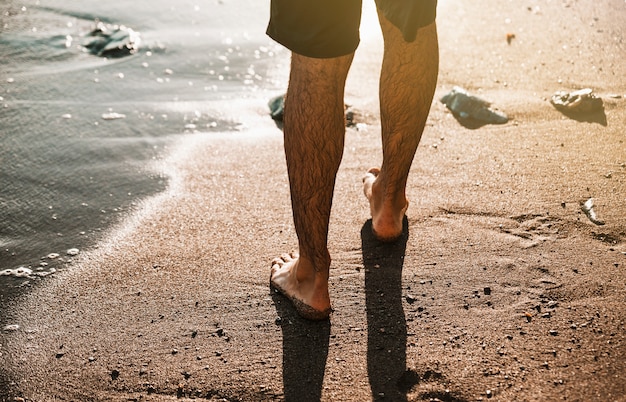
[
  {"x": 113, "y": 116},
  {"x": 174, "y": 351},
  {"x": 112, "y": 41},
  {"x": 410, "y": 299},
  {"x": 578, "y": 102},
  {"x": 115, "y": 374},
  {"x": 277, "y": 107},
  {"x": 72, "y": 251},
  {"x": 12, "y": 327},
  {"x": 587, "y": 208},
  {"x": 553, "y": 332},
  {"x": 487, "y": 291},
  {"x": 466, "y": 106}
]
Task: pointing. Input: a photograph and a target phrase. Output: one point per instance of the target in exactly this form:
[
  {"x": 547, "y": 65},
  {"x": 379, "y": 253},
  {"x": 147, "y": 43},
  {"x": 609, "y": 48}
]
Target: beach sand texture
[{"x": 502, "y": 288}]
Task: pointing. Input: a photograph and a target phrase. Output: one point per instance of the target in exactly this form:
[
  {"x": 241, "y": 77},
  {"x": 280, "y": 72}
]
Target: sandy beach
[{"x": 501, "y": 288}]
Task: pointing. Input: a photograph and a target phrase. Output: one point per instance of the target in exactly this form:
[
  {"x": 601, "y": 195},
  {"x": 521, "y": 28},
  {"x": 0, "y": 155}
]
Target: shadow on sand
[
  {"x": 305, "y": 350},
  {"x": 598, "y": 117},
  {"x": 386, "y": 322}
]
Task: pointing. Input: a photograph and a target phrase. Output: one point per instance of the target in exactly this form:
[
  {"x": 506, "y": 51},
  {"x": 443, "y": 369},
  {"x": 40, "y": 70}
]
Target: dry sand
[{"x": 501, "y": 289}]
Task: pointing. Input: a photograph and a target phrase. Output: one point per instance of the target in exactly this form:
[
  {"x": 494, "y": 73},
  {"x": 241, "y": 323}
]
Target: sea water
[{"x": 80, "y": 133}]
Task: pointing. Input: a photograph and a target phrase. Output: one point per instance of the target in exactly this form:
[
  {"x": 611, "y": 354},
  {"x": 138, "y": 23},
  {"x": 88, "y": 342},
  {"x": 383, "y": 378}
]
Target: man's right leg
[
  {"x": 314, "y": 130},
  {"x": 407, "y": 86}
]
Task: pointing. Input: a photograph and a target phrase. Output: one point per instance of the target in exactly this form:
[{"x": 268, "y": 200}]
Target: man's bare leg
[
  {"x": 314, "y": 130},
  {"x": 407, "y": 86}
]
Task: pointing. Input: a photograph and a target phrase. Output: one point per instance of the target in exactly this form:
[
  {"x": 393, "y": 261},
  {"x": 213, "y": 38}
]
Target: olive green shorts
[{"x": 330, "y": 28}]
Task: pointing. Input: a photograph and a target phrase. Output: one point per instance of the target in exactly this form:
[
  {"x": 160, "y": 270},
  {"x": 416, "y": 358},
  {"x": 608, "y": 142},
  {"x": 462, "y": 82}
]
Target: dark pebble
[
  {"x": 487, "y": 291},
  {"x": 410, "y": 299},
  {"x": 59, "y": 355},
  {"x": 114, "y": 374},
  {"x": 194, "y": 334},
  {"x": 553, "y": 332}
]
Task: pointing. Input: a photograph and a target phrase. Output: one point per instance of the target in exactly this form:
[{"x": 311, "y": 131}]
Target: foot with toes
[{"x": 303, "y": 284}]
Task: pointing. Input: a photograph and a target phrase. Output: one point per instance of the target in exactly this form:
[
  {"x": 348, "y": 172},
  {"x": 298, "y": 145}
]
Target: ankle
[
  {"x": 313, "y": 269},
  {"x": 387, "y": 198}
]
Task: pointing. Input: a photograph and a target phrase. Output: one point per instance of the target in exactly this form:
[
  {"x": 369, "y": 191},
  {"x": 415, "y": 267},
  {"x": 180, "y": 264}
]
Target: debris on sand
[
  {"x": 509, "y": 37},
  {"x": 469, "y": 107},
  {"x": 277, "y": 107},
  {"x": 578, "y": 102},
  {"x": 587, "y": 208},
  {"x": 112, "y": 40},
  {"x": 354, "y": 117}
]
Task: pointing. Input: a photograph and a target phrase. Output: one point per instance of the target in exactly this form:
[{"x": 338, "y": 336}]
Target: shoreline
[{"x": 502, "y": 284}]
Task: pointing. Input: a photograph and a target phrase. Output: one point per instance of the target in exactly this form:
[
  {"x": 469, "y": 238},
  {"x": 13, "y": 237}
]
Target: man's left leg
[{"x": 314, "y": 131}]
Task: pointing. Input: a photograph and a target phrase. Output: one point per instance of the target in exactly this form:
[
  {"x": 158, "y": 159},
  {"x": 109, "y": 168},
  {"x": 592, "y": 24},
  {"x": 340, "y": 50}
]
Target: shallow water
[{"x": 80, "y": 134}]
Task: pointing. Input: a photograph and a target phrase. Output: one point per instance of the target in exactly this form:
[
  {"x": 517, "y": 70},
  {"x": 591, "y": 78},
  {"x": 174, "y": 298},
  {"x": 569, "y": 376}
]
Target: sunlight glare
[{"x": 370, "y": 27}]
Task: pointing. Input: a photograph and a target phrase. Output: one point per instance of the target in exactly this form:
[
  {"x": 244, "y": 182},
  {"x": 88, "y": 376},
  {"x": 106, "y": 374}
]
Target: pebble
[
  {"x": 73, "y": 251},
  {"x": 487, "y": 290},
  {"x": 553, "y": 332},
  {"x": 113, "y": 116},
  {"x": 52, "y": 256},
  {"x": 410, "y": 299},
  {"x": 11, "y": 327},
  {"x": 20, "y": 272}
]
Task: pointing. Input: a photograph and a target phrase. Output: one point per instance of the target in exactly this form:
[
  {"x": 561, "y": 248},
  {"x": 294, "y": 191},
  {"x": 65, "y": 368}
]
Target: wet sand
[{"x": 502, "y": 288}]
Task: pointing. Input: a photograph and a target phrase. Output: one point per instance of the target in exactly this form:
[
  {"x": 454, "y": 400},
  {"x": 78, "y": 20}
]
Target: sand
[{"x": 502, "y": 288}]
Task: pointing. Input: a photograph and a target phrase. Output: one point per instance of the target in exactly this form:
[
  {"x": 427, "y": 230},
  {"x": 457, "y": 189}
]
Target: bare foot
[
  {"x": 386, "y": 217},
  {"x": 303, "y": 285}
]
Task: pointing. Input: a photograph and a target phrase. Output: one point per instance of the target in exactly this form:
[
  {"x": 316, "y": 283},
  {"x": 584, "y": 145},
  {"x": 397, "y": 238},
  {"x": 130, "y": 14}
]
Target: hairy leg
[
  {"x": 314, "y": 130},
  {"x": 407, "y": 86}
]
